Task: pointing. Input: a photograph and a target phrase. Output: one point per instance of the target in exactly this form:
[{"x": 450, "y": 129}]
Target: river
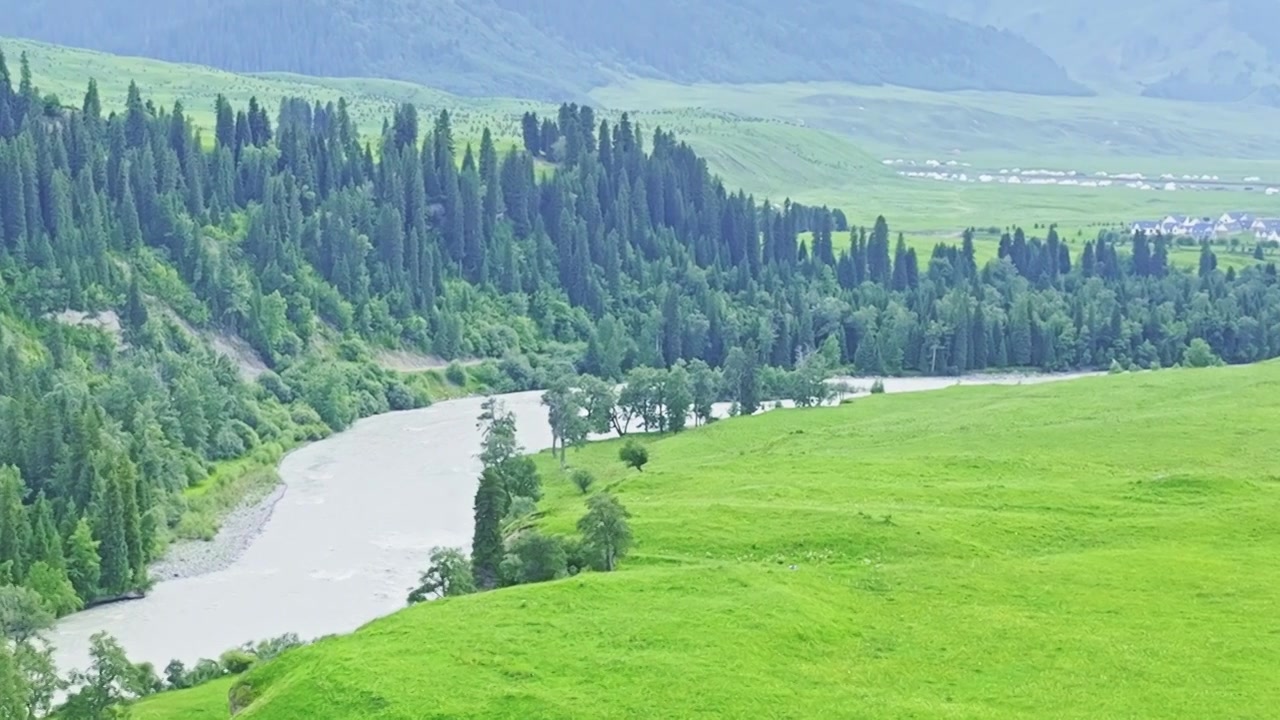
[{"x": 347, "y": 536}]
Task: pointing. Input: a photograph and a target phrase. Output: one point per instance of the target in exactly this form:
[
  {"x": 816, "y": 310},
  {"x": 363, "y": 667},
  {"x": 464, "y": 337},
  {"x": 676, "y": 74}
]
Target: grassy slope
[
  {"x": 1106, "y": 131},
  {"x": 1099, "y": 548},
  {"x": 992, "y": 131},
  {"x": 822, "y": 162}
]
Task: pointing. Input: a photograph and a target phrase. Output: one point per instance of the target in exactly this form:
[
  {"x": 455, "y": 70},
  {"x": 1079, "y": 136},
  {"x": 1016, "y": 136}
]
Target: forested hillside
[
  {"x": 555, "y": 50},
  {"x": 288, "y": 231},
  {"x": 1185, "y": 49}
]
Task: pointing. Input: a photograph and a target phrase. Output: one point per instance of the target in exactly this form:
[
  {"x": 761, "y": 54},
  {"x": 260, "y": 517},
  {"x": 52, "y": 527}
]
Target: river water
[{"x": 346, "y": 538}]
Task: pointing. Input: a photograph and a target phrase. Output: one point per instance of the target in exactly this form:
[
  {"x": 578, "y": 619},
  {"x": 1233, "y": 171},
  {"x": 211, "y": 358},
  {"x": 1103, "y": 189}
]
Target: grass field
[
  {"x": 816, "y": 143},
  {"x": 1106, "y": 132},
  {"x": 1106, "y": 547}
]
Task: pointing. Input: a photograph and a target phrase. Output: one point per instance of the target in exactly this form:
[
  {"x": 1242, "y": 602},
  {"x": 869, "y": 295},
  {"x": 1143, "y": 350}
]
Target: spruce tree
[
  {"x": 83, "y": 561},
  {"x": 111, "y": 534},
  {"x": 15, "y": 529},
  {"x": 486, "y": 545},
  {"x": 46, "y": 542}
]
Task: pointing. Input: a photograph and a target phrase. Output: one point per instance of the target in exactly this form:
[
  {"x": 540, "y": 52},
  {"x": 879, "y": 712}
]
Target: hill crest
[{"x": 558, "y": 50}]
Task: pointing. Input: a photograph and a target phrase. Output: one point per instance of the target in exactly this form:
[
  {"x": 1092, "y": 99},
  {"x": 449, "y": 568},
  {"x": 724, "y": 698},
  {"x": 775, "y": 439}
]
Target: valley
[{"x": 518, "y": 359}]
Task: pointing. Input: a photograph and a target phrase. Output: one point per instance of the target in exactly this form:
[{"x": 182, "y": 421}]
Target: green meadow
[
  {"x": 1100, "y": 548},
  {"x": 819, "y": 143}
]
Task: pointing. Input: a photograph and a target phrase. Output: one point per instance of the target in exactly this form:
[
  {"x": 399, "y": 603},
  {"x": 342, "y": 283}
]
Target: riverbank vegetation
[{"x": 1059, "y": 537}]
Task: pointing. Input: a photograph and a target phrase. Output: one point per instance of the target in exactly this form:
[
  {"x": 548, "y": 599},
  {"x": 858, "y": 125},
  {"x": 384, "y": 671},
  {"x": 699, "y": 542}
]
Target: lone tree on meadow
[
  {"x": 634, "y": 455},
  {"x": 605, "y": 529}
]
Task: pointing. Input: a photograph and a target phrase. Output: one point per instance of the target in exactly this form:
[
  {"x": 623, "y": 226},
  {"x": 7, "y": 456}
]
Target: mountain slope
[
  {"x": 1028, "y": 551},
  {"x": 1220, "y": 51},
  {"x": 552, "y": 49}
]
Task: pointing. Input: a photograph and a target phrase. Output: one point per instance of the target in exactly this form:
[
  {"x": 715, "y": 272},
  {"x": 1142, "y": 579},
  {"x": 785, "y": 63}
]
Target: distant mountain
[
  {"x": 1210, "y": 51},
  {"x": 554, "y": 49}
]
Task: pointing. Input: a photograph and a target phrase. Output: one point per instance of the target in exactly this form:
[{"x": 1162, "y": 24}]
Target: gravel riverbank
[{"x": 193, "y": 558}]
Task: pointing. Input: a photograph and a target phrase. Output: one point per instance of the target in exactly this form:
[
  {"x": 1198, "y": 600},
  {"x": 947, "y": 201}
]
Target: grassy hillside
[
  {"x": 1098, "y": 548},
  {"x": 556, "y": 50},
  {"x": 1098, "y": 133},
  {"x": 1189, "y": 49},
  {"x": 985, "y": 132},
  {"x": 814, "y": 142}
]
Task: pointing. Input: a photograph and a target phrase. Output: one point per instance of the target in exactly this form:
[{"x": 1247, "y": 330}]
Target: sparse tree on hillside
[
  {"x": 448, "y": 575},
  {"x": 534, "y": 557},
  {"x": 605, "y": 529},
  {"x": 634, "y": 455}
]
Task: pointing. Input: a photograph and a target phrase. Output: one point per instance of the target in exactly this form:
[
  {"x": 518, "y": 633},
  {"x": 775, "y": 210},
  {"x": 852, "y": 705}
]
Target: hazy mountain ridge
[
  {"x": 1208, "y": 51},
  {"x": 555, "y": 49}
]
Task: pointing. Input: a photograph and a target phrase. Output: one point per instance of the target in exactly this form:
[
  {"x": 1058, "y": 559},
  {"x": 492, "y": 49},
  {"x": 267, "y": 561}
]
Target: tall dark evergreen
[{"x": 486, "y": 545}]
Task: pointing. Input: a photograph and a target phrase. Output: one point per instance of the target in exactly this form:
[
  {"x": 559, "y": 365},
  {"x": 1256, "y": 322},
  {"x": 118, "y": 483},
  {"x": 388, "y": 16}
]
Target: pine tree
[
  {"x": 135, "y": 122},
  {"x": 83, "y": 562},
  {"x": 46, "y": 542},
  {"x": 135, "y": 310},
  {"x": 111, "y": 534},
  {"x": 15, "y": 530},
  {"x": 486, "y": 545}
]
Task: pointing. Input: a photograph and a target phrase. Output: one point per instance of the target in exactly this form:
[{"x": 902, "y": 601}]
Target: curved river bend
[{"x": 347, "y": 537}]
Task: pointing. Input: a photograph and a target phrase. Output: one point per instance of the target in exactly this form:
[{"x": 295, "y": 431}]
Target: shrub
[
  {"x": 1199, "y": 355},
  {"x": 234, "y": 662},
  {"x": 877, "y": 387},
  {"x": 582, "y": 479},
  {"x": 456, "y": 374},
  {"x": 273, "y": 647},
  {"x": 634, "y": 455},
  {"x": 399, "y": 397},
  {"x": 534, "y": 557},
  {"x": 204, "y": 671},
  {"x": 273, "y": 384},
  {"x": 521, "y": 506}
]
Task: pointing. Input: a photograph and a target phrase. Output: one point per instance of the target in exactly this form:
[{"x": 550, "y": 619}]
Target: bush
[
  {"x": 456, "y": 374},
  {"x": 582, "y": 479},
  {"x": 634, "y": 455},
  {"x": 273, "y": 647},
  {"x": 521, "y": 506},
  {"x": 1116, "y": 368},
  {"x": 273, "y": 384},
  {"x": 353, "y": 350},
  {"x": 534, "y": 557},
  {"x": 517, "y": 373},
  {"x": 204, "y": 671},
  {"x": 399, "y": 397},
  {"x": 234, "y": 662},
  {"x": 1199, "y": 355},
  {"x": 877, "y": 387}
]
